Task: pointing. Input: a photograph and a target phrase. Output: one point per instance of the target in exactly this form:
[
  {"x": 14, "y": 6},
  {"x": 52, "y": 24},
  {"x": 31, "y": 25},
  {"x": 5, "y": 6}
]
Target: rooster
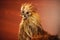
[{"x": 30, "y": 26}]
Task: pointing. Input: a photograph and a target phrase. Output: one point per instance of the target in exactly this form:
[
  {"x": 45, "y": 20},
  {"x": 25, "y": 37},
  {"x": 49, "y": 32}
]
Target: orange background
[{"x": 10, "y": 17}]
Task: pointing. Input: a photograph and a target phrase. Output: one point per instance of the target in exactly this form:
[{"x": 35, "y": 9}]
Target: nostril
[{"x": 24, "y": 16}]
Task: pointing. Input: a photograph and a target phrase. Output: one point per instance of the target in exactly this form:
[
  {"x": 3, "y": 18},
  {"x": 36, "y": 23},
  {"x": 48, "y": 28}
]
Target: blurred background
[{"x": 10, "y": 17}]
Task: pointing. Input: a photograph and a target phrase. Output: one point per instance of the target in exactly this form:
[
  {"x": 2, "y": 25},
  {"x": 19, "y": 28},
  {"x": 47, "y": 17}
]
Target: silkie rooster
[{"x": 30, "y": 26}]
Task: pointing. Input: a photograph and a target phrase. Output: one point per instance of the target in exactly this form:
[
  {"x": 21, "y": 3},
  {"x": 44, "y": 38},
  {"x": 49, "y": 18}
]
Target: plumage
[{"x": 30, "y": 26}]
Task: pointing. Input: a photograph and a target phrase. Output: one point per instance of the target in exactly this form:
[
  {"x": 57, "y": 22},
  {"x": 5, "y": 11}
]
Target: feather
[{"x": 30, "y": 26}]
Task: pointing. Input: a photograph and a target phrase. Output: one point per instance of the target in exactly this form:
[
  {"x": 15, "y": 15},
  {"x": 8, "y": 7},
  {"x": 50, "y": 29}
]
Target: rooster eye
[
  {"x": 27, "y": 12},
  {"x": 22, "y": 11}
]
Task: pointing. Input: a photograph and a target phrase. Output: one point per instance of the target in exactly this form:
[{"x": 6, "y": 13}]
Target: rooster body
[{"x": 30, "y": 27}]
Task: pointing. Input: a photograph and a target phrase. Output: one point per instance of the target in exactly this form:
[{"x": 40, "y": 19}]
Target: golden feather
[{"x": 30, "y": 26}]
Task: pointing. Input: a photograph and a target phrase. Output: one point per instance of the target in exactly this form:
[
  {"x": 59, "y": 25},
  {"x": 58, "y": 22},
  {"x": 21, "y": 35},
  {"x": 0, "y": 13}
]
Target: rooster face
[{"x": 26, "y": 11}]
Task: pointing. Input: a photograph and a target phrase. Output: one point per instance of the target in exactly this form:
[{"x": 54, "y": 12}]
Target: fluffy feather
[{"x": 30, "y": 27}]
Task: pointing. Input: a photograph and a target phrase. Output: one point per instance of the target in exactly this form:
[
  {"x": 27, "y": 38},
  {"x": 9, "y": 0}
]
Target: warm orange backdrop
[{"x": 10, "y": 16}]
